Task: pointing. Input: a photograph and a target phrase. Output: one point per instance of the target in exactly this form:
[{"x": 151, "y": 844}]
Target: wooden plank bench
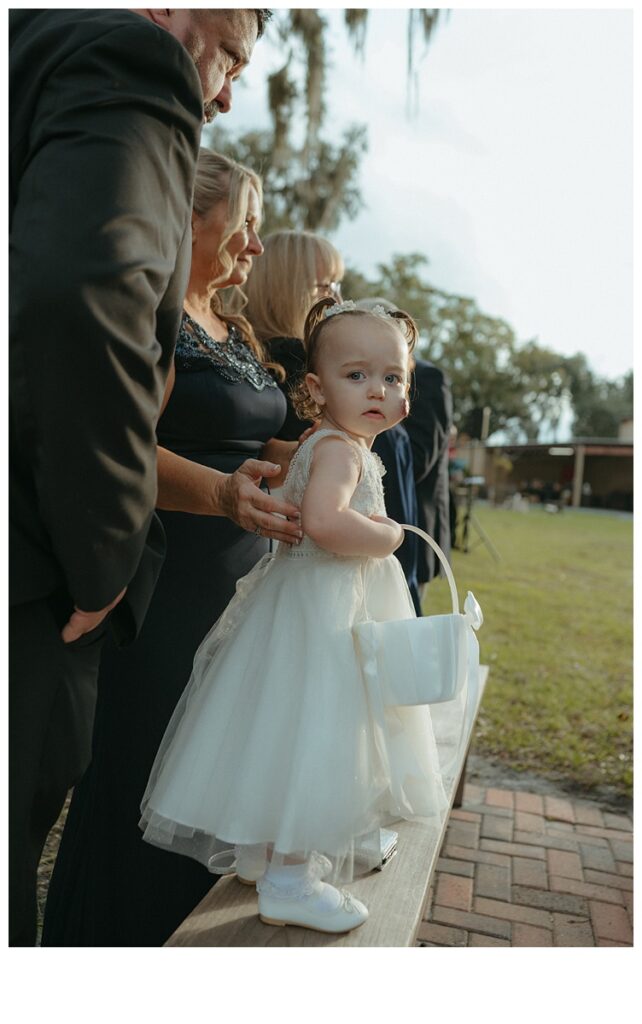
[{"x": 395, "y": 897}]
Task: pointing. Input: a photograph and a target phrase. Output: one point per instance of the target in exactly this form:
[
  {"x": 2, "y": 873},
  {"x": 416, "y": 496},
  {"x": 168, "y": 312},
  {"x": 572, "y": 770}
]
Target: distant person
[
  {"x": 106, "y": 115},
  {"x": 587, "y": 494}
]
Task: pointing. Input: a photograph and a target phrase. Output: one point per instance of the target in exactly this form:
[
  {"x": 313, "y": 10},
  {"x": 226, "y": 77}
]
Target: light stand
[{"x": 470, "y": 519}]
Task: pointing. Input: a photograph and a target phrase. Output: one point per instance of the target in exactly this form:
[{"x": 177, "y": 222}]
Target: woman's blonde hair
[
  {"x": 280, "y": 289},
  {"x": 219, "y": 178},
  {"x": 304, "y": 405}
]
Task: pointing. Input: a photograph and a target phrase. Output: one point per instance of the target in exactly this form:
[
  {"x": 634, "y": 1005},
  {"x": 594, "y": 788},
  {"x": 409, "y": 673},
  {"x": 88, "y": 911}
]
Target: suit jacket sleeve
[
  {"x": 102, "y": 205},
  {"x": 430, "y": 419}
]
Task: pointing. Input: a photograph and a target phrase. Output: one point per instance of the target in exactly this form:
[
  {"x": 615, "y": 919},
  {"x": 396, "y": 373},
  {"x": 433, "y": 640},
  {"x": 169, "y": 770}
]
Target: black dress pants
[{"x": 52, "y": 697}]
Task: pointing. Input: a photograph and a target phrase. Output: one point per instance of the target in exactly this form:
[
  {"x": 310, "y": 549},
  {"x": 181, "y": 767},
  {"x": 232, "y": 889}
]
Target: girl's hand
[{"x": 394, "y": 526}]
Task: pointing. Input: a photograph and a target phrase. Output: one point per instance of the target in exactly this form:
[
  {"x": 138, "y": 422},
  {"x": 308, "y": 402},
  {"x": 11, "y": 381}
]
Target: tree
[
  {"x": 528, "y": 387},
  {"x": 599, "y": 404},
  {"x": 544, "y": 379},
  {"x": 315, "y": 203},
  {"x": 309, "y": 181},
  {"x": 312, "y": 183},
  {"x": 525, "y": 387}
]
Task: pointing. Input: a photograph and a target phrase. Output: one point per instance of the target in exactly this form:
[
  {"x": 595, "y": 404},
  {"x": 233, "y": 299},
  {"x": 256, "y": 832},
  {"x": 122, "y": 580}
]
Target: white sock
[
  {"x": 294, "y": 881},
  {"x": 286, "y": 876},
  {"x": 251, "y": 853}
]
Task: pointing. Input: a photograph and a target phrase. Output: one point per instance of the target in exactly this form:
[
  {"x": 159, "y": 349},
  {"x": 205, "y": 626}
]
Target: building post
[{"x": 578, "y": 475}]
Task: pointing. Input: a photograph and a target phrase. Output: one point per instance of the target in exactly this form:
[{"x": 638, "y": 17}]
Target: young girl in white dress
[{"x": 275, "y": 755}]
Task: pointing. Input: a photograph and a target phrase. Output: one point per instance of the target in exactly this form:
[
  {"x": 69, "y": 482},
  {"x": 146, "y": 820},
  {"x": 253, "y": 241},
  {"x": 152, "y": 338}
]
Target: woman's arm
[
  {"x": 326, "y": 514},
  {"x": 186, "y": 486}
]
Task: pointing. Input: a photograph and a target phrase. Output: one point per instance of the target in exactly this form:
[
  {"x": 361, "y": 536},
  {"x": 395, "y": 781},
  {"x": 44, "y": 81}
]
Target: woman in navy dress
[{"x": 109, "y": 888}]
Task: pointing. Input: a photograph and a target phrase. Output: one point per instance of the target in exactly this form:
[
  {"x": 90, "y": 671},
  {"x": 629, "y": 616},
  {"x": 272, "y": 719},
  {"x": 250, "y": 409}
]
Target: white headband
[{"x": 349, "y": 307}]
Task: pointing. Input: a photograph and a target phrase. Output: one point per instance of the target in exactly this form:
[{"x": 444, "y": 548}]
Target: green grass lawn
[{"x": 558, "y": 637}]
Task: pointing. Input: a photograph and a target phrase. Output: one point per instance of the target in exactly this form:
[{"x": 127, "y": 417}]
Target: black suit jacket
[
  {"x": 428, "y": 427},
  {"x": 106, "y": 112}
]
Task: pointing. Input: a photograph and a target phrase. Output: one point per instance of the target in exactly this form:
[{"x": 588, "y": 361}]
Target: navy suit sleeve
[
  {"x": 430, "y": 419},
  {"x": 102, "y": 207}
]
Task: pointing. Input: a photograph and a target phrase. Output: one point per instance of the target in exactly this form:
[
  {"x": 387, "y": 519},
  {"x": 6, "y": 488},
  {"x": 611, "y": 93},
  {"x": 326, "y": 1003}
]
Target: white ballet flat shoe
[
  {"x": 309, "y": 912},
  {"x": 249, "y": 871}
]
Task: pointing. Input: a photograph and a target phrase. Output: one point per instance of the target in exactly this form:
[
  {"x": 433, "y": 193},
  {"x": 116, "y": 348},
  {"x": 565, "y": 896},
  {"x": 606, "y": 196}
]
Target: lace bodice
[{"x": 368, "y": 495}]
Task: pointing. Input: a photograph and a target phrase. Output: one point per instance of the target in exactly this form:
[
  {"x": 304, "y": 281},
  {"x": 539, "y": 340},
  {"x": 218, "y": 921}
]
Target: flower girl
[{"x": 274, "y": 755}]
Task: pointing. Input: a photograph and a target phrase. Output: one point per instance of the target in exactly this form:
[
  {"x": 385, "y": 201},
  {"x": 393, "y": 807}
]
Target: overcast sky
[{"x": 515, "y": 176}]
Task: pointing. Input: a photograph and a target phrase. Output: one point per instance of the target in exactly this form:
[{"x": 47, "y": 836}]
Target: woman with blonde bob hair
[{"x": 296, "y": 270}]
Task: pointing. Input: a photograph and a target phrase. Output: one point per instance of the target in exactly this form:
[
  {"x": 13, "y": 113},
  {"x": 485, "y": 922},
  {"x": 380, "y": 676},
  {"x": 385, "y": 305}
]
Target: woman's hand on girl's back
[
  {"x": 309, "y": 432},
  {"x": 241, "y": 499}
]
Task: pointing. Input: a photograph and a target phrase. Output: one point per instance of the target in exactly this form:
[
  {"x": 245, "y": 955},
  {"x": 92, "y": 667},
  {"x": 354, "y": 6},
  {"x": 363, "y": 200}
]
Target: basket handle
[{"x": 442, "y": 558}]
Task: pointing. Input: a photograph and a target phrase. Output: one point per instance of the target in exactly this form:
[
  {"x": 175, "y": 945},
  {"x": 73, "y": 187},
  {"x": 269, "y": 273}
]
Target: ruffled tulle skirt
[{"x": 277, "y": 740}]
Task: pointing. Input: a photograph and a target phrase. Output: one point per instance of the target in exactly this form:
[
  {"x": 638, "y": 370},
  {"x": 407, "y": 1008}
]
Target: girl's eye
[
  {"x": 356, "y": 375},
  {"x": 393, "y": 378}
]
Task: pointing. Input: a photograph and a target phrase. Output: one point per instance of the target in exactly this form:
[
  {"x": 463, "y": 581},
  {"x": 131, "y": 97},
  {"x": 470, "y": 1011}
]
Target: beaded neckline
[{"x": 232, "y": 358}]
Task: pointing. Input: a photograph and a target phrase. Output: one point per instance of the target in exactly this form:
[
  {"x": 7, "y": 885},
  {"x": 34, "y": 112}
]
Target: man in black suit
[
  {"x": 106, "y": 114},
  {"x": 428, "y": 427}
]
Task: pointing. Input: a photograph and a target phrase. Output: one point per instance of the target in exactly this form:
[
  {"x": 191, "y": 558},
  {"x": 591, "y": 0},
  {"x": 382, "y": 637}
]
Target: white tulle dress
[{"x": 276, "y": 739}]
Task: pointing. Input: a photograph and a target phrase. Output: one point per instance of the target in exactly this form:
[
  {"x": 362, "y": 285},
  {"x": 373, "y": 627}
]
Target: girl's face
[
  {"x": 242, "y": 246},
  {"x": 361, "y": 382}
]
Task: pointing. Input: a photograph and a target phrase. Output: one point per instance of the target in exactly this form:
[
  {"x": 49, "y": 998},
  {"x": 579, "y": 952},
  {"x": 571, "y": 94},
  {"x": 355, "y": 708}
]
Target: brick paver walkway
[{"x": 519, "y": 869}]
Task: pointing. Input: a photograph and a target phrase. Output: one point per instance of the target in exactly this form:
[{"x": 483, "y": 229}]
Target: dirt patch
[{"x": 484, "y": 772}]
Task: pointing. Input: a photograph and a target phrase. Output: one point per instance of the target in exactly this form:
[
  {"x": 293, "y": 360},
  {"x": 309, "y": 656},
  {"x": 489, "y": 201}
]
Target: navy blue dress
[{"x": 109, "y": 888}]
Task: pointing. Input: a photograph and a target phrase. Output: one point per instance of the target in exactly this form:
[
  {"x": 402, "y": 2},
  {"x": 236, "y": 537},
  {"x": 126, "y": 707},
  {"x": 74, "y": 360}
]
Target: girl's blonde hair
[
  {"x": 281, "y": 286},
  {"x": 304, "y": 405},
  {"x": 219, "y": 178}
]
